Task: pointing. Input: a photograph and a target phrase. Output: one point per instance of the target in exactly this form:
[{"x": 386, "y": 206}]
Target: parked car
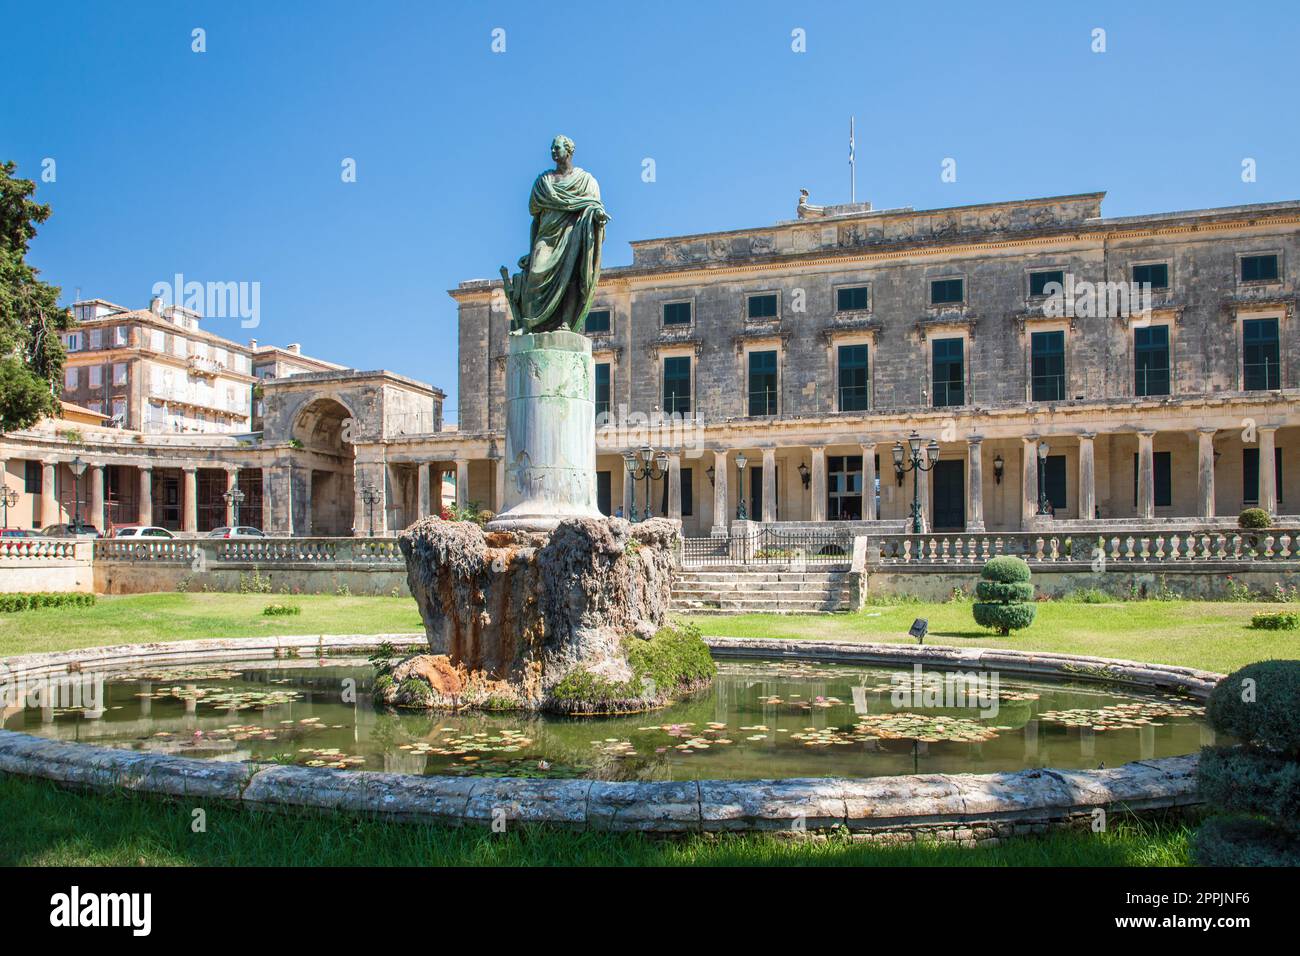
[
  {"x": 69, "y": 530},
  {"x": 19, "y": 533},
  {"x": 239, "y": 531},
  {"x": 141, "y": 531}
]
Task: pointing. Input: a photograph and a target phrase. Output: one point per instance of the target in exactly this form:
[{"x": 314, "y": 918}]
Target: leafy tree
[{"x": 31, "y": 351}]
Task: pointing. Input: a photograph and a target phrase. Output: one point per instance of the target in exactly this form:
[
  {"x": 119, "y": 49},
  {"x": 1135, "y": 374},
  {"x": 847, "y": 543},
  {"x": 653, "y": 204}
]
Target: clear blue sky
[{"x": 225, "y": 165}]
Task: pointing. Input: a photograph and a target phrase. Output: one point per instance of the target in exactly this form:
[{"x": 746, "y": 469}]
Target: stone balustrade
[
  {"x": 1101, "y": 546},
  {"x": 260, "y": 552},
  {"x": 29, "y": 551}
]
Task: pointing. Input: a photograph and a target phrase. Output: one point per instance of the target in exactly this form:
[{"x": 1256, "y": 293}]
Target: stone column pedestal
[{"x": 550, "y": 432}]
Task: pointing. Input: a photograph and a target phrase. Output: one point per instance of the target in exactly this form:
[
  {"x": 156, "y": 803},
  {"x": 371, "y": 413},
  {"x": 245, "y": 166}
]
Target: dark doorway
[
  {"x": 948, "y": 481},
  {"x": 756, "y": 493}
]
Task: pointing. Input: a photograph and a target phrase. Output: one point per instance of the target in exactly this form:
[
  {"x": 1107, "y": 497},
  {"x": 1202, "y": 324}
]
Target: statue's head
[{"x": 561, "y": 146}]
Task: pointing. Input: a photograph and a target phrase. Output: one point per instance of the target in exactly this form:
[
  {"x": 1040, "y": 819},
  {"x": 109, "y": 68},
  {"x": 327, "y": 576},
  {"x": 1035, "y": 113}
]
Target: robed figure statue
[{"x": 558, "y": 280}]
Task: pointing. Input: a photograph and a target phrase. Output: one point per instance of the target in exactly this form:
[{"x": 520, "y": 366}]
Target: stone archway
[{"x": 323, "y": 428}]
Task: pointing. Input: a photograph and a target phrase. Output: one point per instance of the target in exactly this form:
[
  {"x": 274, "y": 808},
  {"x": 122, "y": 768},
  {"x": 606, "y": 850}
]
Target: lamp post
[
  {"x": 10, "y": 500},
  {"x": 78, "y": 469},
  {"x": 649, "y": 467},
  {"x": 741, "y": 462},
  {"x": 916, "y": 464},
  {"x": 1044, "y": 506},
  {"x": 233, "y": 498},
  {"x": 370, "y": 497}
]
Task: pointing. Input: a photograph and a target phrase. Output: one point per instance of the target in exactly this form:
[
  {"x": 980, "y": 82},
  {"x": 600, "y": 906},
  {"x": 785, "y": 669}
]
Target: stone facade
[{"x": 1142, "y": 426}]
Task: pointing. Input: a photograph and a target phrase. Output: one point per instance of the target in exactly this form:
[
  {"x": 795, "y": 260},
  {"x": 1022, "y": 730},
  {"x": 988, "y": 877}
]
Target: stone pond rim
[
  {"x": 965, "y": 808},
  {"x": 570, "y": 621}
]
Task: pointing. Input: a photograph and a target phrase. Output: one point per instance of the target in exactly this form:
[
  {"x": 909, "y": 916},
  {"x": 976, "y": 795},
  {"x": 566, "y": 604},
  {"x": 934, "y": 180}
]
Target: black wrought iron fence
[{"x": 823, "y": 549}]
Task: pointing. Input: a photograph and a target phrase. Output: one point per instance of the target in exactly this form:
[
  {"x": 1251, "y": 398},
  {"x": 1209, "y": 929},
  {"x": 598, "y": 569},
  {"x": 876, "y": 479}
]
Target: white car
[
  {"x": 239, "y": 531},
  {"x": 141, "y": 531}
]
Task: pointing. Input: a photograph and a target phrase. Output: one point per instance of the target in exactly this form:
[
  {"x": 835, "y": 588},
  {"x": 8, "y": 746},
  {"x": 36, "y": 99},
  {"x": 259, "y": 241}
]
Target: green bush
[
  {"x": 1275, "y": 621},
  {"x": 1004, "y": 596},
  {"x": 33, "y": 601},
  {"x": 1257, "y": 782},
  {"x": 996, "y": 591},
  {"x": 1266, "y": 713},
  {"x": 1006, "y": 570},
  {"x": 277, "y": 610},
  {"x": 1254, "y": 518},
  {"x": 1243, "y": 841}
]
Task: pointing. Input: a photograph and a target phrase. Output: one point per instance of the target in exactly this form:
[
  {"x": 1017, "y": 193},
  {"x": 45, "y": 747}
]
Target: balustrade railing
[
  {"x": 1273, "y": 544},
  {"x": 36, "y": 550},
  {"x": 254, "y": 551}
]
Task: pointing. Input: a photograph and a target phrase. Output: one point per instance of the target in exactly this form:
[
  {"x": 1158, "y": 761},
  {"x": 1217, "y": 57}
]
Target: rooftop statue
[{"x": 558, "y": 277}]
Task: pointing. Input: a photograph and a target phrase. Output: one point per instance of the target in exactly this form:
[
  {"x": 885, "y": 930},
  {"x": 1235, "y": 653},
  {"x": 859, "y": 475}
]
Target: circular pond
[{"x": 762, "y": 719}]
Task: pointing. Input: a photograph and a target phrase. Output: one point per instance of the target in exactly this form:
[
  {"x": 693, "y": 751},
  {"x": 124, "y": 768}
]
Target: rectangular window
[
  {"x": 32, "y": 476},
  {"x": 1261, "y": 366},
  {"x": 119, "y": 373},
  {"x": 949, "y": 372},
  {"x": 1047, "y": 361},
  {"x": 1151, "y": 360},
  {"x": 96, "y": 376},
  {"x": 158, "y": 340},
  {"x": 121, "y": 335},
  {"x": 677, "y": 385},
  {"x": 677, "y": 313},
  {"x": 1259, "y": 268},
  {"x": 96, "y": 338},
  {"x": 72, "y": 342},
  {"x": 762, "y": 383},
  {"x": 602, "y": 389},
  {"x": 1038, "y": 281},
  {"x": 1250, "y": 474},
  {"x": 854, "y": 390},
  {"x": 119, "y": 411},
  {"x": 1161, "y": 463},
  {"x": 70, "y": 378},
  {"x": 761, "y": 306},
  {"x": 1155, "y": 274},
  {"x": 855, "y": 299},
  {"x": 597, "y": 321},
  {"x": 947, "y": 291}
]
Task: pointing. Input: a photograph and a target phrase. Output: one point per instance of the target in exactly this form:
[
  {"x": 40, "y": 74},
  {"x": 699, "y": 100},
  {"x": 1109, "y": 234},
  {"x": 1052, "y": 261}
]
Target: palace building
[{"x": 1070, "y": 367}]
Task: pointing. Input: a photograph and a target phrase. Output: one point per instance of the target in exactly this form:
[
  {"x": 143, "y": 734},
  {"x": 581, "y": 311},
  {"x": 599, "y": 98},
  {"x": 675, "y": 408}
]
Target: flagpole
[{"x": 853, "y": 168}]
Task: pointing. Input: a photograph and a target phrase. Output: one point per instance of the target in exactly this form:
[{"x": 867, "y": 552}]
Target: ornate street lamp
[
  {"x": 234, "y": 497},
  {"x": 916, "y": 464},
  {"x": 10, "y": 500},
  {"x": 649, "y": 467},
  {"x": 370, "y": 497},
  {"x": 1044, "y": 506},
  {"x": 78, "y": 469},
  {"x": 741, "y": 462}
]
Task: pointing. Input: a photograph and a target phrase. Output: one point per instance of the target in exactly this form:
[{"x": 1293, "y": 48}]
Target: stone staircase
[{"x": 748, "y": 590}]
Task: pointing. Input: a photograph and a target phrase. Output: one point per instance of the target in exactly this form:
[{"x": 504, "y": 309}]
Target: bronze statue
[{"x": 558, "y": 277}]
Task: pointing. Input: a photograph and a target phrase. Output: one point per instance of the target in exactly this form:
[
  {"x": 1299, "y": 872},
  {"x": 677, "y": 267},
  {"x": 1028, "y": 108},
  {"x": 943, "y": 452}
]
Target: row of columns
[
  {"x": 94, "y": 479},
  {"x": 1087, "y": 478}
]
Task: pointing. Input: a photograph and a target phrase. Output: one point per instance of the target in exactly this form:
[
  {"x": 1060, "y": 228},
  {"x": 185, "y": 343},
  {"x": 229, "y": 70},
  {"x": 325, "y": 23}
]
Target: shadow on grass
[{"x": 45, "y": 825}]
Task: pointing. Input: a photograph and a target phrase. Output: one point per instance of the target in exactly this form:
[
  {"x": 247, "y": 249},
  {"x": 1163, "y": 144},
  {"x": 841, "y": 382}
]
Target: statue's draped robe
[{"x": 564, "y": 263}]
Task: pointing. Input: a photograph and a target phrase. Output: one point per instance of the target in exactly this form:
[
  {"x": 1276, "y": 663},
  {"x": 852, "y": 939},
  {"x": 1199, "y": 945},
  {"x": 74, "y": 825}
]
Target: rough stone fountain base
[{"x": 572, "y": 621}]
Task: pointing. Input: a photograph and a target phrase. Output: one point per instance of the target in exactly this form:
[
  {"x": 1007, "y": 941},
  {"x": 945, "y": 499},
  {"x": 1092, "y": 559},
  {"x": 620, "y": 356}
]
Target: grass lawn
[
  {"x": 137, "y": 618},
  {"x": 1211, "y": 635},
  {"x": 44, "y": 826}
]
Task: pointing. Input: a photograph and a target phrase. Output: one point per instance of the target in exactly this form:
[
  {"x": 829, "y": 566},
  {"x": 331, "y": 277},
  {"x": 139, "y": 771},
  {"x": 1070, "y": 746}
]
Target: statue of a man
[{"x": 559, "y": 275}]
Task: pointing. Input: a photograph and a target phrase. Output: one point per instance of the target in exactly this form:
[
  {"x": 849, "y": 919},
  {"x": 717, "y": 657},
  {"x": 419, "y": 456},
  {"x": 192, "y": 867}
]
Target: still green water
[{"x": 761, "y": 719}]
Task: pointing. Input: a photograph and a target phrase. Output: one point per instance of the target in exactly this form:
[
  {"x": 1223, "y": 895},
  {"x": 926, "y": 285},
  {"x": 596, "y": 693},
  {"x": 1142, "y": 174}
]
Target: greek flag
[{"x": 850, "y": 139}]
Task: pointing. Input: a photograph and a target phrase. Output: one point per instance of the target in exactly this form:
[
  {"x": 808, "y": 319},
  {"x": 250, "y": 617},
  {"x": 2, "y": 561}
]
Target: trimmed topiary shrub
[
  {"x": 281, "y": 610},
  {"x": 1275, "y": 621},
  {"x": 1257, "y": 781},
  {"x": 1004, "y": 596},
  {"x": 1254, "y": 518}
]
